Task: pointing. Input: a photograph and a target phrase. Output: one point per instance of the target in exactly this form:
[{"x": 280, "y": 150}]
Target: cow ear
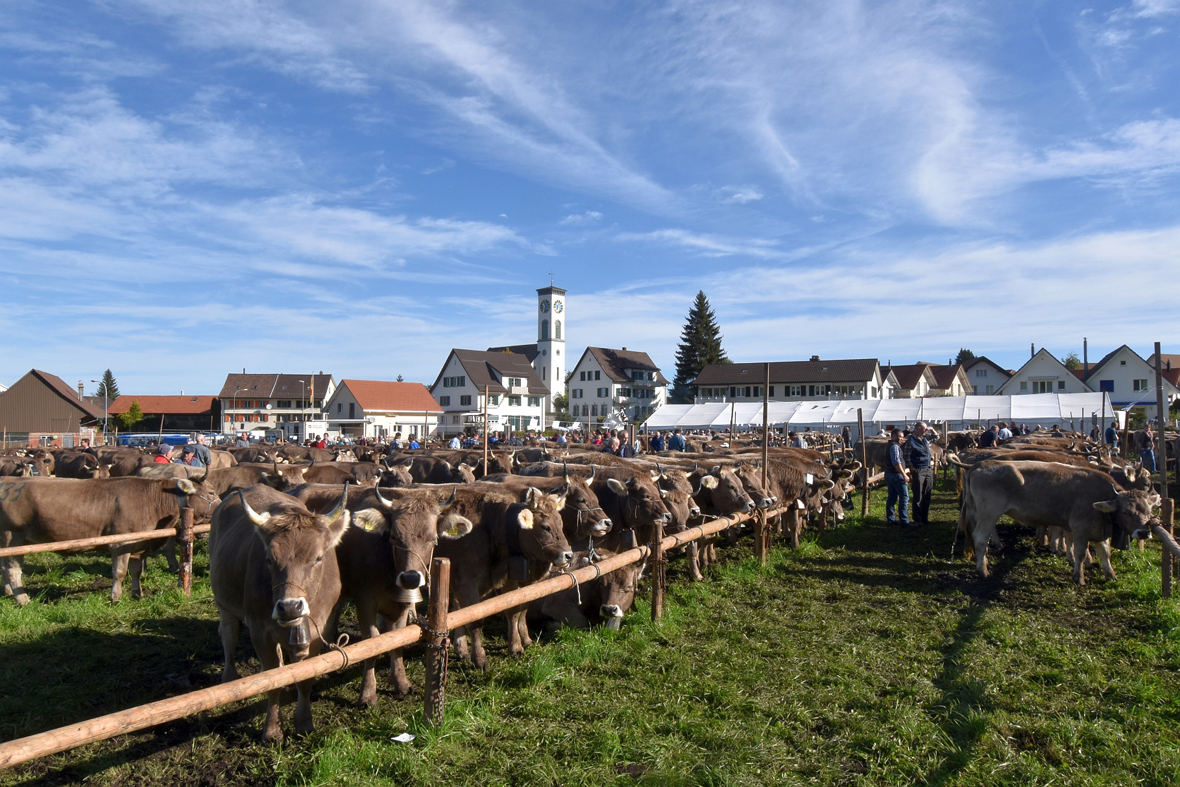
[
  {"x": 371, "y": 520},
  {"x": 828, "y": 484},
  {"x": 616, "y": 486},
  {"x": 337, "y": 528},
  {"x": 709, "y": 482},
  {"x": 525, "y": 519},
  {"x": 186, "y": 486},
  {"x": 559, "y": 500},
  {"x": 716, "y": 469},
  {"x": 454, "y": 526},
  {"x": 1107, "y": 506}
]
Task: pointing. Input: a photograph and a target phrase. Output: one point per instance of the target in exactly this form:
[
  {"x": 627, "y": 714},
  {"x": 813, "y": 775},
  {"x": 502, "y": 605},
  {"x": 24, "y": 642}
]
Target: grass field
[{"x": 862, "y": 658}]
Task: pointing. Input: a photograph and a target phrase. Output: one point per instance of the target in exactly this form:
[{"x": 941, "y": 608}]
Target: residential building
[
  {"x": 178, "y": 413},
  {"x": 856, "y": 378},
  {"x": 986, "y": 376},
  {"x": 379, "y": 409},
  {"x": 1130, "y": 380},
  {"x": 547, "y": 356},
  {"x": 515, "y": 394},
  {"x": 624, "y": 382},
  {"x": 1043, "y": 373},
  {"x": 41, "y": 403},
  {"x": 914, "y": 380},
  {"x": 950, "y": 380},
  {"x": 275, "y": 401}
]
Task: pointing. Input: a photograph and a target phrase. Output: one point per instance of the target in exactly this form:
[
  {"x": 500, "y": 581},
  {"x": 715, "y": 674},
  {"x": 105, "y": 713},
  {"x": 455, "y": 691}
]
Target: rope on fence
[{"x": 163, "y": 711}]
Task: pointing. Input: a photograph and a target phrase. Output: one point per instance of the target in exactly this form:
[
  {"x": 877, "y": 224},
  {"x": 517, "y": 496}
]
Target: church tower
[{"x": 550, "y": 362}]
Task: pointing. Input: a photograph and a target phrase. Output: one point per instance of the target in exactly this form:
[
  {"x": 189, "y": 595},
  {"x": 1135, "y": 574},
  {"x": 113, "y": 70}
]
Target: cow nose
[
  {"x": 410, "y": 580},
  {"x": 694, "y": 512},
  {"x": 766, "y": 502},
  {"x": 288, "y": 611},
  {"x": 665, "y": 517},
  {"x": 602, "y": 527},
  {"x": 748, "y": 507},
  {"x": 610, "y": 611},
  {"x": 566, "y": 557}
]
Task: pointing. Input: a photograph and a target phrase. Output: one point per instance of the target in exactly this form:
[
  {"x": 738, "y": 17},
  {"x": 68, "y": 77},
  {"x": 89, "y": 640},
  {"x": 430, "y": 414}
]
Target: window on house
[
  {"x": 544, "y": 330},
  {"x": 444, "y": 400},
  {"x": 593, "y": 409},
  {"x": 990, "y": 390},
  {"x": 534, "y": 401},
  {"x": 1106, "y": 385},
  {"x": 1122, "y": 363},
  {"x": 494, "y": 399},
  {"x": 771, "y": 391},
  {"x": 1061, "y": 385},
  {"x": 1024, "y": 385},
  {"x": 465, "y": 400},
  {"x": 597, "y": 374},
  {"x": 1139, "y": 385},
  {"x": 514, "y": 401},
  {"x": 454, "y": 419},
  {"x": 981, "y": 372},
  {"x": 339, "y": 407}
]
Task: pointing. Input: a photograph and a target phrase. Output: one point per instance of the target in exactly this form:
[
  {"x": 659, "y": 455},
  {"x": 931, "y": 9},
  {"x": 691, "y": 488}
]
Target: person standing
[
  {"x": 1146, "y": 440},
  {"x": 201, "y": 455},
  {"x": 1112, "y": 438},
  {"x": 989, "y": 437},
  {"x": 1005, "y": 433},
  {"x": 676, "y": 442},
  {"x": 917, "y": 459},
  {"x": 896, "y": 476}
]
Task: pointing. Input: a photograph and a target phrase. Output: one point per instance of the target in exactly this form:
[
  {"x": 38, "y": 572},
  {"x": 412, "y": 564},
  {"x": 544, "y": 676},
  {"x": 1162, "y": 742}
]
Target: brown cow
[
  {"x": 77, "y": 464},
  {"x": 272, "y": 566},
  {"x": 44, "y": 510},
  {"x": 1050, "y": 494},
  {"x": 605, "y": 599},
  {"x": 515, "y": 540}
]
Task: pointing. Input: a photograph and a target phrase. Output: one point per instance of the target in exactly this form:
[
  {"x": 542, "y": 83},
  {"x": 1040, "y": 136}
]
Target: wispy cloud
[
  {"x": 740, "y": 194},
  {"x": 581, "y": 219}
]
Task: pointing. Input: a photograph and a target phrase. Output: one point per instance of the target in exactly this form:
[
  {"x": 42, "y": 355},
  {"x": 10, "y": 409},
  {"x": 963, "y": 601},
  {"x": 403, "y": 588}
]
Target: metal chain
[{"x": 426, "y": 629}]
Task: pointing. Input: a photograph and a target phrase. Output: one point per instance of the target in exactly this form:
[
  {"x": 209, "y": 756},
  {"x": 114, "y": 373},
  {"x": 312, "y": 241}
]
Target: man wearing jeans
[
  {"x": 917, "y": 459},
  {"x": 895, "y": 480}
]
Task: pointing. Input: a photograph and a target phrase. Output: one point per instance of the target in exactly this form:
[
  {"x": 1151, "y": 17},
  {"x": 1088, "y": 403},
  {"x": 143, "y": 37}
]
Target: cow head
[
  {"x": 538, "y": 525},
  {"x": 751, "y": 478},
  {"x": 1133, "y": 511},
  {"x": 201, "y": 497},
  {"x": 395, "y": 475},
  {"x": 617, "y": 593},
  {"x": 297, "y": 543},
  {"x": 728, "y": 494},
  {"x": 582, "y": 514},
  {"x": 676, "y": 490},
  {"x": 412, "y": 523},
  {"x": 642, "y": 504},
  {"x": 289, "y": 477},
  {"x": 463, "y": 474}
]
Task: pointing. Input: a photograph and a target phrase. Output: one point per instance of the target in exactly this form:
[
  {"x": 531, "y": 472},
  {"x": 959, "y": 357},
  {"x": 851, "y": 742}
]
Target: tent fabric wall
[{"x": 1043, "y": 409}]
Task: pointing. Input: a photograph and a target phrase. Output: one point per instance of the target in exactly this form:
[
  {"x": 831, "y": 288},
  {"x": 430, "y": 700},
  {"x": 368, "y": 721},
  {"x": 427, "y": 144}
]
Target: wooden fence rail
[
  {"x": 166, "y": 710},
  {"x": 98, "y": 541}
]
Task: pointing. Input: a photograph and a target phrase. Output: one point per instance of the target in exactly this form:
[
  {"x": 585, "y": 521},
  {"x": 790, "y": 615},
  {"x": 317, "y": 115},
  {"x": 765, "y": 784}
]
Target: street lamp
[
  {"x": 104, "y": 411},
  {"x": 303, "y": 407},
  {"x": 233, "y": 424}
]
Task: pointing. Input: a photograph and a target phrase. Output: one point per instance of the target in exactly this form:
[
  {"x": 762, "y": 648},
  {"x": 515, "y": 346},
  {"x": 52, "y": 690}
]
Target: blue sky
[{"x": 187, "y": 189}]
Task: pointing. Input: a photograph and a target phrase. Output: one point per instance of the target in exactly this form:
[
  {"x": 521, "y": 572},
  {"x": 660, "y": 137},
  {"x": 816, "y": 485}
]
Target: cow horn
[
  {"x": 258, "y": 519},
  {"x": 276, "y": 463},
  {"x": 335, "y": 513},
  {"x": 593, "y": 472},
  {"x": 384, "y": 503},
  {"x": 443, "y": 506},
  {"x": 201, "y": 480},
  {"x": 566, "y": 472}
]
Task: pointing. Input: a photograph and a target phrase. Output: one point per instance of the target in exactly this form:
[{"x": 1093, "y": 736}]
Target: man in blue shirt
[
  {"x": 1112, "y": 438},
  {"x": 676, "y": 442},
  {"x": 917, "y": 458},
  {"x": 657, "y": 443},
  {"x": 895, "y": 480},
  {"x": 988, "y": 438}
]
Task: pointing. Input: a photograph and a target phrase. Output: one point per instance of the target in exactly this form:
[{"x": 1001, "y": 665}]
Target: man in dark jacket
[{"x": 917, "y": 459}]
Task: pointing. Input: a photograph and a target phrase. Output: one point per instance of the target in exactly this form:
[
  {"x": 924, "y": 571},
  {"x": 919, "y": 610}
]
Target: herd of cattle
[{"x": 296, "y": 533}]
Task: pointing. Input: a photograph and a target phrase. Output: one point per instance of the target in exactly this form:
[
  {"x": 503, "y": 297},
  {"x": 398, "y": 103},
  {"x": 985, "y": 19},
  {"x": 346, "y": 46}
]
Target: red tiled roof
[
  {"x": 164, "y": 405},
  {"x": 944, "y": 375},
  {"x": 379, "y": 396},
  {"x": 908, "y": 376}
]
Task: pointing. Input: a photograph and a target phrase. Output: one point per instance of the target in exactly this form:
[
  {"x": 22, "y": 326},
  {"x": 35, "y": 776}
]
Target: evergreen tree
[
  {"x": 108, "y": 386},
  {"x": 1072, "y": 362},
  {"x": 399, "y": 379},
  {"x": 965, "y": 356},
  {"x": 700, "y": 345}
]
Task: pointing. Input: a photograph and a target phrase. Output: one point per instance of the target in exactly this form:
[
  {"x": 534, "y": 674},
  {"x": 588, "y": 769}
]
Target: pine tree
[
  {"x": 130, "y": 418},
  {"x": 700, "y": 345},
  {"x": 965, "y": 356},
  {"x": 108, "y": 386}
]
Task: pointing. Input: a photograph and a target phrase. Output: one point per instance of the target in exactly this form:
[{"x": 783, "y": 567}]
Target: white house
[
  {"x": 986, "y": 376},
  {"x": 950, "y": 380},
  {"x": 515, "y": 394},
  {"x": 1129, "y": 380},
  {"x": 606, "y": 381},
  {"x": 274, "y": 401},
  {"x": 914, "y": 380},
  {"x": 856, "y": 378},
  {"x": 1043, "y": 373},
  {"x": 379, "y": 408}
]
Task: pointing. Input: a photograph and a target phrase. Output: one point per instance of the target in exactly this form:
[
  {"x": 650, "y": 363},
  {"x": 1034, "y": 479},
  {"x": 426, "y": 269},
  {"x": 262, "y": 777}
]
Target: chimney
[
  {"x": 815, "y": 358},
  {"x": 243, "y": 370},
  {"x": 1032, "y": 349},
  {"x": 1085, "y": 356},
  {"x": 624, "y": 349},
  {"x": 81, "y": 390}
]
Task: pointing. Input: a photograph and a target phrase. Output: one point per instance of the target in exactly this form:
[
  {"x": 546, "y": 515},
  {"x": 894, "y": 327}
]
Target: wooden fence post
[
  {"x": 1167, "y": 517},
  {"x": 762, "y": 545},
  {"x": 437, "y": 643},
  {"x": 864, "y": 460},
  {"x": 657, "y": 570},
  {"x": 185, "y": 535}
]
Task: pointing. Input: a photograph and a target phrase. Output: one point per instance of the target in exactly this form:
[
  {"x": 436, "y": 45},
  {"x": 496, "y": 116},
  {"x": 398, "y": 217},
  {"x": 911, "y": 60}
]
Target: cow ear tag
[
  {"x": 369, "y": 519},
  {"x": 525, "y": 519}
]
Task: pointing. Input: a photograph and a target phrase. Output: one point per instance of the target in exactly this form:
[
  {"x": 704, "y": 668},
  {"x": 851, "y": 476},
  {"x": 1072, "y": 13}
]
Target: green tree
[
  {"x": 561, "y": 408},
  {"x": 399, "y": 379},
  {"x": 129, "y": 419},
  {"x": 700, "y": 345},
  {"x": 1072, "y": 362},
  {"x": 965, "y": 356},
  {"x": 108, "y": 386}
]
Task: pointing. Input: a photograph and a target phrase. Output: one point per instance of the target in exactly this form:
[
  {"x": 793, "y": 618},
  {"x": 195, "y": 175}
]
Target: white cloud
[
  {"x": 740, "y": 194},
  {"x": 581, "y": 219}
]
